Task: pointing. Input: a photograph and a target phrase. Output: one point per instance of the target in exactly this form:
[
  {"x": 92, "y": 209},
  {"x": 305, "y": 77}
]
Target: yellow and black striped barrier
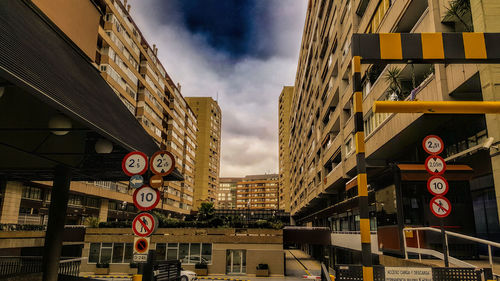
[
  {"x": 466, "y": 47},
  {"x": 220, "y": 278},
  {"x": 107, "y": 276}
]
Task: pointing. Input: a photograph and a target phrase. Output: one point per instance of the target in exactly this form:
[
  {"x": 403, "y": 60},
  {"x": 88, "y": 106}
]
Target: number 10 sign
[{"x": 146, "y": 198}]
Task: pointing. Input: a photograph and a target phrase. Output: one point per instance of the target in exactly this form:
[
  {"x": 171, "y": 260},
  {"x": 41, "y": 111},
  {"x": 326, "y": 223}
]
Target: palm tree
[
  {"x": 461, "y": 10},
  {"x": 393, "y": 77}
]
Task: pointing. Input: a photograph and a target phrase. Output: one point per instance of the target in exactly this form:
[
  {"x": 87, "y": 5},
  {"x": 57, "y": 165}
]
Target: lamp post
[{"x": 123, "y": 207}]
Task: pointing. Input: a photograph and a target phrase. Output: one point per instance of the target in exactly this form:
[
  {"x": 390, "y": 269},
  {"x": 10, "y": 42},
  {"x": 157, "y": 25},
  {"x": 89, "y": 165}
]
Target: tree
[
  {"x": 393, "y": 77},
  {"x": 460, "y": 10},
  {"x": 206, "y": 211}
]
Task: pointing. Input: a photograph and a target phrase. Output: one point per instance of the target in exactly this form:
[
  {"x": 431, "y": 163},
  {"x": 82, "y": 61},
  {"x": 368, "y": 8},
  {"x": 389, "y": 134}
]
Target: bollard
[{"x": 137, "y": 277}]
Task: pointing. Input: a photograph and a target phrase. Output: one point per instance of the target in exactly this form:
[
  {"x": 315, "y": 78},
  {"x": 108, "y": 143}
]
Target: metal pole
[
  {"x": 445, "y": 244},
  {"x": 362, "y": 181},
  {"x": 55, "y": 225},
  {"x": 404, "y": 242},
  {"x": 489, "y": 256},
  {"x": 418, "y": 245}
]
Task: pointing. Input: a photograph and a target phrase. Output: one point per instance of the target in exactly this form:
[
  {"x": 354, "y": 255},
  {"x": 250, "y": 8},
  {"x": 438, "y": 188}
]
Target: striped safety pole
[{"x": 359, "y": 137}]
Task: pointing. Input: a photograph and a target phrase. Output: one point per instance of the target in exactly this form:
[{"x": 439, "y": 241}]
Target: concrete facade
[
  {"x": 209, "y": 118},
  {"x": 226, "y": 193},
  {"x": 284, "y": 148},
  {"x": 11, "y": 201},
  {"x": 257, "y": 192}
]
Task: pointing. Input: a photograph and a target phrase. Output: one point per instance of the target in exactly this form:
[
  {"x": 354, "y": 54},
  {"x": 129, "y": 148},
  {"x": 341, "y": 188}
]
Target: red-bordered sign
[
  {"x": 440, "y": 206},
  {"x": 435, "y": 165},
  {"x": 144, "y": 224},
  {"x": 146, "y": 198},
  {"x": 141, "y": 245},
  {"x": 162, "y": 163},
  {"x": 433, "y": 145},
  {"x": 437, "y": 185},
  {"x": 135, "y": 163}
]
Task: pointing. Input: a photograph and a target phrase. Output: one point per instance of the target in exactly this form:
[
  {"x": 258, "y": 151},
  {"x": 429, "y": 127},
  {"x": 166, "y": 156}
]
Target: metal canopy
[{"x": 44, "y": 74}]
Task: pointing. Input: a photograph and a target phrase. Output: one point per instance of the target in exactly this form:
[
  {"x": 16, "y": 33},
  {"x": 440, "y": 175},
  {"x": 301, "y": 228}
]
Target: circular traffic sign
[
  {"x": 437, "y": 185},
  {"x": 135, "y": 163},
  {"x": 144, "y": 224},
  {"x": 440, "y": 206},
  {"x": 156, "y": 181},
  {"x": 162, "y": 163},
  {"x": 136, "y": 181},
  {"x": 141, "y": 245},
  {"x": 433, "y": 144},
  {"x": 146, "y": 198},
  {"x": 435, "y": 165}
]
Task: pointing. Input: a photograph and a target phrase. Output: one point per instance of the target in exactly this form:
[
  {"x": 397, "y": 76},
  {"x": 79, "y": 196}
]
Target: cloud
[{"x": 248, "y": 85}]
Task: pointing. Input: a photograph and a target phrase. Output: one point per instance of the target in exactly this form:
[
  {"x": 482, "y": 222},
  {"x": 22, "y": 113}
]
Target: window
[
  {"x": 95, "y": 248},
  {"x": 172, "y": 251},
  {"x": 184, "y": 252},
  {"x": 118, "y": 252},
  {"x": 110, "y": 253},
  {"x": 106, "y": 250},
  {"x": 161, "y": 251},
  {"x": 32, "y": 193},
  {"x": 349, "y": 146},
  {"x": 206, "y": 253},
  {"x": 194, "y": 253}
]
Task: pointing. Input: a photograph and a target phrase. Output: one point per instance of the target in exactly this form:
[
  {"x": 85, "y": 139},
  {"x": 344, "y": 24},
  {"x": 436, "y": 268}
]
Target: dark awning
[{"x": 42, "y": 68}]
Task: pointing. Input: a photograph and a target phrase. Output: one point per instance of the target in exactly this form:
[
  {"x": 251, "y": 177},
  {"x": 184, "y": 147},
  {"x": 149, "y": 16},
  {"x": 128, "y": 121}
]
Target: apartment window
[
  {"x": 32, "y": 193},
  {"x": 349, "y": 146},
  {"x": 379, "y": 15},
  {"x": 110, "y": 253}
]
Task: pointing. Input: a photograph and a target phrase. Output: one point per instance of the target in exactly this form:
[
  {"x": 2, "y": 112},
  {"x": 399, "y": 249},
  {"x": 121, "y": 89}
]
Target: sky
[{"x": 241, "y": 51}]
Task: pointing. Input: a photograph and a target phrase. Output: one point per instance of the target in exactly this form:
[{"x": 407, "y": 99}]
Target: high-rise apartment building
[
  {"x": 209, "y": 117},
  {"x": 322, "y": 147},
  {"x": 226, "y": 193},
  {"x": 114, "y": 44},
  {"x": 257, "y": 192},
  {"x": 284, "y": 148}
]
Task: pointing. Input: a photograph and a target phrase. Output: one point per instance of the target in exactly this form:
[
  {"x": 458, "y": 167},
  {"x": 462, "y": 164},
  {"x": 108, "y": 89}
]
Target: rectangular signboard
[
  {"x": 140, "y": 258},
  {"x": 408, "y": 273}
]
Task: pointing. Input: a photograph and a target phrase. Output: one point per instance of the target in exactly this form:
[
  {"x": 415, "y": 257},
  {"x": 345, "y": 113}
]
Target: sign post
[{"x": 437, "y": 185}]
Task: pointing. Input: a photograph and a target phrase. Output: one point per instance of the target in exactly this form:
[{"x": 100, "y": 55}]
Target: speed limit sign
[
  {"x": 437, "y": 185},
  {"x": 162, "y": 163},
  {"x": 146, "y": 198}
]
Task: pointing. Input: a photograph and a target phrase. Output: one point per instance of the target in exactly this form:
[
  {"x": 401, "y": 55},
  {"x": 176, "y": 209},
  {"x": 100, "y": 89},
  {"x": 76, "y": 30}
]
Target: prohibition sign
[
  {"x": 143, "y": 224},
  {"x": 141, "y": 245},
  {"x": 435, "y": 165},
  {"x": 433, "y": 145},
  {"x": 437, "y": 186},
  {"x": 440, "y": 206},
  {"x": 162, "y": 163},
  {"x": 135, "y": 163},
  {"x": 146, "y": 198}
]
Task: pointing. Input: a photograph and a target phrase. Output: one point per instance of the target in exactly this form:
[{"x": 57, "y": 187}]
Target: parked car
[{"x": 188, "y": 275}]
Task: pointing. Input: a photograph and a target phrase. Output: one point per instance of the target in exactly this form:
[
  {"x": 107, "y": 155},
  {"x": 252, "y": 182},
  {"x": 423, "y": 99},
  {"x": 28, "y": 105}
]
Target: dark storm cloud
[{"x": 244, "y": 51}]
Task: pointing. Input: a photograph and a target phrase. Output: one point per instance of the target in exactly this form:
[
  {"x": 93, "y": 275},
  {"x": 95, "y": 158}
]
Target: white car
[{"x": 188, "y": 275}]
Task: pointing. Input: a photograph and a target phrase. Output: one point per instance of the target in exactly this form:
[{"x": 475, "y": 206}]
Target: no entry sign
[
  {"x": 146, "y": 198},
  {"x": 143, "y": 224},
  {"x": 162, "y": 163},
  {"x": 435, "y": 165},
  {"x": 440, "y": 206},
  {"x": 437, "y": 185},
  {"x": 433, "y": 144},
  {"x": 135, "y": 163}
]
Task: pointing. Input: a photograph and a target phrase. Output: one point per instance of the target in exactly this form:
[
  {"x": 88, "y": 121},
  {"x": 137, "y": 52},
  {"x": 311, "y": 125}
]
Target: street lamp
[{"x": 123, "y": 207}]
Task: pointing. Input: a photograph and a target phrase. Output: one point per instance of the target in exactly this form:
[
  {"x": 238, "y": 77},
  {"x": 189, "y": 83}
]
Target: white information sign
[{"x": 408, "y": 273}]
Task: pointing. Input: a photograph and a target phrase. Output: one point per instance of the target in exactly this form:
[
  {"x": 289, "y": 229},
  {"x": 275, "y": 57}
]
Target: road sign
[
  {"x": 162, "y": 163},
  {"x": 146, "y": 198},
  {"x": 433, "y": 144},
  {"x": 136, "y": 181},
  {"x": 144, "y": 224},
  {"x": 135, "y": 163},
  {"x": 440, "y": 206},
  {"x": 437, "y": 185},
  {"x": 141, "y": 248},
  {"x": 435, "y": 165},
  {"x": 156, "y": 181}
]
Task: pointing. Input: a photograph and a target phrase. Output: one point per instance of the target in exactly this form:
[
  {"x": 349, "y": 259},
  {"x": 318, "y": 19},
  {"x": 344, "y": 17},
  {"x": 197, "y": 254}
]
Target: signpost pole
[{"x": 445, "y": 246}]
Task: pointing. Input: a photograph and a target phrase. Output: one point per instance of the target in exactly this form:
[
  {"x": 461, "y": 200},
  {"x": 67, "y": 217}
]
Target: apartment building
[
  {"x": 226, "y": 193},
  {"x": 257, "y": 192},
  {"x": 322, "y": 151},
  {"x": 284, "y": 148},
  {"x": 113, "y": 43},
  {"x": 209, "y": 117}
]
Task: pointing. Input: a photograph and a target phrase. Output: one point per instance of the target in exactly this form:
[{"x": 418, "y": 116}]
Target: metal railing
[
  {"x": 15, "y": 265},
  {"x": 449, "y": 233}
]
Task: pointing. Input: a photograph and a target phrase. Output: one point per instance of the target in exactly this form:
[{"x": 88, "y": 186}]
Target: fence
[
  {"x": 167, "y": 270},
  {"x": 355, "y": 272},
  {"x": 10, "y": 266}
]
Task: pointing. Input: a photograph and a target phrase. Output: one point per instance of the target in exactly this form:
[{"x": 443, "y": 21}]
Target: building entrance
[{"x": 236, "y": 261}]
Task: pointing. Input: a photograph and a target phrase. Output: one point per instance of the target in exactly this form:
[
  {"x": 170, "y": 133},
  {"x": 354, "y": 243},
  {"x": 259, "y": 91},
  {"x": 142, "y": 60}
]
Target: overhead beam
[
  {"x": 437, "y": 107},
  {"x": 467, "y": 47}
]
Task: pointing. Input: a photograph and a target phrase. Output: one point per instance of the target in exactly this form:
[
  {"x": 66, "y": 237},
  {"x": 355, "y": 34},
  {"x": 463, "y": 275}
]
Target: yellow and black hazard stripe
[
  {"x": 107, "y": 276},
  {"x": 467, "y": 47},
  {"x": 220, "y": 278},
  {"x": 359, "y": 138}
]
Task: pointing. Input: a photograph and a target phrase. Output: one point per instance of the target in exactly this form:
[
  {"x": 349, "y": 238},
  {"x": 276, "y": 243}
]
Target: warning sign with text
[{"x": 408, "y": 274}]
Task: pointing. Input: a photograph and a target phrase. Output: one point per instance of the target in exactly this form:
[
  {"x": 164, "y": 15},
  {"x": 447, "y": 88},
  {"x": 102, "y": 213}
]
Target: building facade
[
  {"x": 113, "y": 43},
  {"x": 322, "y": 151},
  {"x": 284, "y": 148},
  {"x": 209, "y": 117},
  {"x": 226, "y": 193},
  {"x": 257, "y": 192}
]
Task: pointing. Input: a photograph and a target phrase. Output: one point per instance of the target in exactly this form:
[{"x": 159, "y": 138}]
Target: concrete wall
[{"x": 9, "y": 212}]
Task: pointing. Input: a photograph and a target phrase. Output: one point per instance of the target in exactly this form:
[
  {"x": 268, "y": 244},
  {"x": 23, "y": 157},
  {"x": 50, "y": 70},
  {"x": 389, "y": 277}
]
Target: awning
[
  {"x": 417, "y": 172},
  {"x": 45, "y": 73}
]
